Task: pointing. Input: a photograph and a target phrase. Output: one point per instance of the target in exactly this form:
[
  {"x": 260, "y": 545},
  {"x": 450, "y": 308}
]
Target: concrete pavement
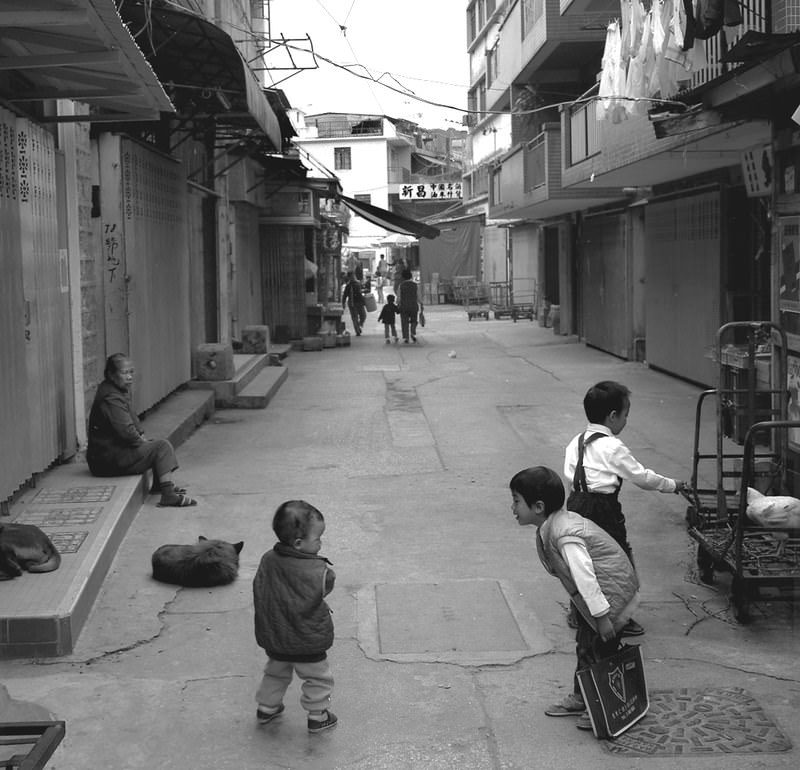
[{"x": 450, "y": 638}]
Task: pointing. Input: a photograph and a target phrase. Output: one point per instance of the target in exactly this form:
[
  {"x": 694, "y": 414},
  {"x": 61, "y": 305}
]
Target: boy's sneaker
[
  {"x": 316, "y": 725},
  {"x": 632, "y": 628},
  {"x": 571, "y": 706},
  {"x": 584, "y": 722},
  {"x": 265, "y": 717},
  {"x": 387, "y": 341}
]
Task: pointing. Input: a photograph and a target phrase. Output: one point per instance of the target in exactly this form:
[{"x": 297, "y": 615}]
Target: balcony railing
[
  {"x": 583, "y": 133},
  {"x": 755, "y": 15},
  {"x": 535, "y": 168}
]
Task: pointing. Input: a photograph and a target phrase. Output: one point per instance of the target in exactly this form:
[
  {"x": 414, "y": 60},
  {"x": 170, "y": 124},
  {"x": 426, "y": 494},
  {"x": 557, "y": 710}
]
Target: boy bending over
[{"x": 596, "y": 573}]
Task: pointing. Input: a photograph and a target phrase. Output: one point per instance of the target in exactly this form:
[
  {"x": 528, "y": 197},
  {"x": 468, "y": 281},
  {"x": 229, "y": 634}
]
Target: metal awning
[
  {"x": 79, "y": 50},
  {"x": 203, "y": 71},
  {"x": 389, "y": 220}
]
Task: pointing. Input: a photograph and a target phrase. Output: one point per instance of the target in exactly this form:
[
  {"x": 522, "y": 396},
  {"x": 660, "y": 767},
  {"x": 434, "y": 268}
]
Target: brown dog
[
  {"x": 206, "y": 563},
  {"x": 25, "y": 547}
]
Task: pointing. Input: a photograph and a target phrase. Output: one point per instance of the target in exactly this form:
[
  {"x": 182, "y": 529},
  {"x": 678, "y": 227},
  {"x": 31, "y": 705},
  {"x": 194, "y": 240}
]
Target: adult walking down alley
[{"x": 451, "y": 641}]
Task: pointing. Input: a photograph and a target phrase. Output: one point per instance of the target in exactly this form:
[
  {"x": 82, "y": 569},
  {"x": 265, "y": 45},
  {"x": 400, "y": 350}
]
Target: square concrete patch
[{"x": 457, "y": 616}]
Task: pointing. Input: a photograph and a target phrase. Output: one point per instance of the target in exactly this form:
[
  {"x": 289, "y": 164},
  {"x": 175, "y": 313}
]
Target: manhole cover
[
  {"x": 458, "y": 616},
  {"x": 67, "y": 542},
  {"x": 74, "y": 495},
  {"x": 60, "y": 517},
  {"x": 701, "y": 722}
]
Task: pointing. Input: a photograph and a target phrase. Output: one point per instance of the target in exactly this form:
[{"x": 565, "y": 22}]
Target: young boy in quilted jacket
[
  {"x": 593, "y": 568},
  {"x": 293, "y": 623}
]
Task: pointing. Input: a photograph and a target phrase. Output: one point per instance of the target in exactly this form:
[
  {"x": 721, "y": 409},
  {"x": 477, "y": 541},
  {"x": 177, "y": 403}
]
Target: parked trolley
[
  {"x": 751, "y": 453},
  {"x": 475, "y": 297}
]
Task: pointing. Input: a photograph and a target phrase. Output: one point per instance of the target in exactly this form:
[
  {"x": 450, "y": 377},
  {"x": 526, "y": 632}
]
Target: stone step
[
  {"x": 261, "y": 390},
  {"x": 248, "y": 367}
]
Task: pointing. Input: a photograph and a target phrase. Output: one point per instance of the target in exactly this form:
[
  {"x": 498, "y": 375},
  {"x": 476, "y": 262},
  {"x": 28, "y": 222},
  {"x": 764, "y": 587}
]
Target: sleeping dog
[
  {"x": 26, "y": 547},
  {"x": 206, "y": 563}
]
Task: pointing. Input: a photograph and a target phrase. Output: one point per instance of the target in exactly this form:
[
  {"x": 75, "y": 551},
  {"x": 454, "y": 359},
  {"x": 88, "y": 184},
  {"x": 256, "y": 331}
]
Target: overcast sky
[{"x": 414, "y": 46}]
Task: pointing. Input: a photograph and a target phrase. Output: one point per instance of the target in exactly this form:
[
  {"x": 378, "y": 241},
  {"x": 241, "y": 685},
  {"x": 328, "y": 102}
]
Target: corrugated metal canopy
[
  {"x": 80, "y": 50},
  {"x": 203, "y": 70}
]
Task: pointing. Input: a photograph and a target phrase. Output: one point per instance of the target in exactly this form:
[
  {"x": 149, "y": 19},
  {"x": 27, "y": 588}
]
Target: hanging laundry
[
  {"x": 612, "y": 77},
  {"x": 636, "y": 83}
]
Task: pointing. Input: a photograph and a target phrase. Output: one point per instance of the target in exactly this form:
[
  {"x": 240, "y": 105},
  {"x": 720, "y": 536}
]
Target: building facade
[
  {"x": 141, "y": 166},
  {"x": 642, "y": 186}
]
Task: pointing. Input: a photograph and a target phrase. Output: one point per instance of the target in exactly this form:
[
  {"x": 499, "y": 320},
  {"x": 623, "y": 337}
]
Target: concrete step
[
  {"x": 41, "y": 615},
  {"x": 248, "y": 368},
  {"x": 261, "y": 390}
]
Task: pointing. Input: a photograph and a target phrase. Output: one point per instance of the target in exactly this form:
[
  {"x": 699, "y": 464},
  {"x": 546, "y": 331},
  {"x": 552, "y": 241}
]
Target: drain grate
[
  {"x": 67, "y": 542},
  {"x": 701, "y": 722},
  {"x": 60, "y": 517},
  {"x": 99, "y": 494}
]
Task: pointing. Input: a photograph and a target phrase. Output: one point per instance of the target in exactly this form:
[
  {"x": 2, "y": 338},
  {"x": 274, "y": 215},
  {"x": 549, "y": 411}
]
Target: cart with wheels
[
  {"x": 476, "y": 300},
  {"x": 751, "y": 413},
  {"x": 523, "y": 298},
  {"x": 500, "y": 299}
]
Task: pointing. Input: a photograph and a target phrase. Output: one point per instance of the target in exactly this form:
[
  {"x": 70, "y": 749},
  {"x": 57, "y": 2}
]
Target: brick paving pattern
[{"x": 701, "y": 722}]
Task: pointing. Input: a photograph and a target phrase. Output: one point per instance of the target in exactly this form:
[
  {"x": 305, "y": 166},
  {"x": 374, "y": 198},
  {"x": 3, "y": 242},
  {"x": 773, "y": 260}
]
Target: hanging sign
[{"x": 431, "y": 191}]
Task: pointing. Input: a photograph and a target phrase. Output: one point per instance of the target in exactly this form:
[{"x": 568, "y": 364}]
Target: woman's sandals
[{"x": 179, "y": 500}]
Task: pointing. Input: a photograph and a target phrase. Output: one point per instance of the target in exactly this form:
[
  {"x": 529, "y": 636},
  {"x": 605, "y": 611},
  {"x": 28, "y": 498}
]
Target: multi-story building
[
  {"x": 143, "y": 206},
  {"x": 654, "y": 217},
  {"x": 382, "y": 163}
]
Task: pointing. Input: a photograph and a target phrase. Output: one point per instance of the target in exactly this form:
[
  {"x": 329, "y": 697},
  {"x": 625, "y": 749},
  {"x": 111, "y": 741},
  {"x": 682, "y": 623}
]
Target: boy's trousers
[
  {"x": 316, "y": 689},
  {"x": 589, "y": 648}
]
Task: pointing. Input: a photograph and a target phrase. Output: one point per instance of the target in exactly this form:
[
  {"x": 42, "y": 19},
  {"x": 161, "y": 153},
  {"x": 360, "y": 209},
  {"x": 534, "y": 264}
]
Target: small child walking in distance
[
  {"x": 597, "y": 462},
  {"x": 388, "y": 318},
  {"x": 594, "y": 570},
  {"x": 293, "y": 623}
]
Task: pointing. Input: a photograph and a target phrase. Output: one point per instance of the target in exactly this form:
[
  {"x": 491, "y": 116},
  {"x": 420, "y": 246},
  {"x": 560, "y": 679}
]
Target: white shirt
[{"x": 606, "y": 460}]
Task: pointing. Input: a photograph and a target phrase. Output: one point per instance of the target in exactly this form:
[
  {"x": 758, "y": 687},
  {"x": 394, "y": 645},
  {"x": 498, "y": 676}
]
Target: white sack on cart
[{"x": 773, "y": 511}]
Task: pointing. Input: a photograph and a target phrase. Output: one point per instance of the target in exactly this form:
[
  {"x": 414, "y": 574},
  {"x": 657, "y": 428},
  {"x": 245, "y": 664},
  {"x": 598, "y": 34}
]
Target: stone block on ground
[
  {"x": 213, "y": 361},
  {"x": 255, "y": 339}
]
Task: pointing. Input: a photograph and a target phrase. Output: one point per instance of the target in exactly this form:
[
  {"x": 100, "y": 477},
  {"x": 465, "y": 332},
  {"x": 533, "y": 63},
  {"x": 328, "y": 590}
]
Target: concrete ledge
[
  {"x": 87, "y": 517},
  {"x": 260, "y": 391},
  {"x": 247, "y": 368}
]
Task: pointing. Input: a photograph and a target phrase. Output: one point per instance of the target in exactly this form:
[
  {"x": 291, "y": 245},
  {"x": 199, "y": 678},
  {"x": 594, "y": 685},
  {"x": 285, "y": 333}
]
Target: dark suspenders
[{"x": 579, "y": 478}]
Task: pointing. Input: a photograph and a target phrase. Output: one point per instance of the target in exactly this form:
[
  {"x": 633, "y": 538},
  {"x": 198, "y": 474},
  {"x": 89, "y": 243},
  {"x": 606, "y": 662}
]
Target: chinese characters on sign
[{"x": 431, "y": 191}]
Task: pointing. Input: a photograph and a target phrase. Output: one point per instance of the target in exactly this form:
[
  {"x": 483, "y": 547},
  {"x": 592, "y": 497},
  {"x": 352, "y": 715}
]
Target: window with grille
[
  {"x": 531, "y": 13},
  {"x": 341, "y": 158}
]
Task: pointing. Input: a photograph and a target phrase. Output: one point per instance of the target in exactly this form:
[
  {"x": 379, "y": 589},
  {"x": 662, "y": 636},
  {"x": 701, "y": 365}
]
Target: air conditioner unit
[{"x": 468, "y": 120}]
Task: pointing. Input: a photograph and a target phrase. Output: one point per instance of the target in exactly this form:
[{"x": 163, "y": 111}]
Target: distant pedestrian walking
[
  {"x": 387, "y": 318},
  {"x": 293, "y": 623},
  {"x": 353, "y": 298},
  {"x": 409, "y": 306}
]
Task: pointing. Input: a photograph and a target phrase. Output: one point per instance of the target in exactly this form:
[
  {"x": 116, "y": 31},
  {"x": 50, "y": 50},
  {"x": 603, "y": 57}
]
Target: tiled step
[{"x": 41, "y": 615}]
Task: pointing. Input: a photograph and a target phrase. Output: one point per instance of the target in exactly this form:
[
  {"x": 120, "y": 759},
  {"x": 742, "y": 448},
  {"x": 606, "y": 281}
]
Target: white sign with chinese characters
[{"x": 431, "y": 191}]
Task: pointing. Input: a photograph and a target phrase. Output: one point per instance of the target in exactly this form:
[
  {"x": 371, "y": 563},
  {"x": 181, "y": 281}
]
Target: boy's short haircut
[
  {"x": 390, "y": 298},
  {"x": 406, "y": 274},
  {"x": 292, "y": 520},
  {"x": 603, "y": 398},
  {"x": 540, "y": 483}
]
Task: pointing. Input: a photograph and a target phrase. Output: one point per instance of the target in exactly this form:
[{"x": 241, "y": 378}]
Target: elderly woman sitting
[{"x": 117, "y": 446}]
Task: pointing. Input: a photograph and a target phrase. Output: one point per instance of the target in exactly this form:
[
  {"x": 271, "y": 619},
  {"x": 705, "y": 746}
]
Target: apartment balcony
[
  {"x": 556, "y": 41},
  {"x": 732, "y": 101},
  {"x": 527, "y": 183}
]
